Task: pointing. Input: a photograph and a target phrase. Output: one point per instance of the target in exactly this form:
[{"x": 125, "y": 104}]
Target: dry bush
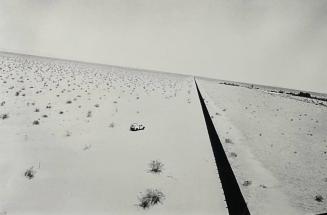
[{"x": 151, "y": 198}]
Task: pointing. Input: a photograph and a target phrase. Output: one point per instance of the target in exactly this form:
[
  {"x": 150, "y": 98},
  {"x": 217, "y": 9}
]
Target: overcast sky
[{"x": 276, "y": 42}]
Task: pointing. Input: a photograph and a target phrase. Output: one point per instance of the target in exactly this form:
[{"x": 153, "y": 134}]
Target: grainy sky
[{"x": 276, "y": 42}]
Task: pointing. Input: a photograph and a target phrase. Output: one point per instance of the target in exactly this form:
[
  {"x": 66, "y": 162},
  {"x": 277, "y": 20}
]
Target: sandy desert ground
[
  {"x": 66, "y": 146},
  {"x": 276, "y": 143}
]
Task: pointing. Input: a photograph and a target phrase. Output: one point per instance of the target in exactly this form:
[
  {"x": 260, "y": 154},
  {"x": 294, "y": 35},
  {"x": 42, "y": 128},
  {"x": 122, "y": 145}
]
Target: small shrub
[
  {"x": 4, "y": 116},
  {"x": 233, "y": 154},
  {"x": 86, "y": 147},
  {"x": 230, "y": 84},
  {"x": 151, "y": 198},
  {"x": 30, "y": 173},
  {"x": 36, "y": 122},
  {"x": 156, "y": 167},
  {"x": 319, "y": 198},
  {"x": 263, "y": 186},
  {"x": 68, "y": 133},
  {"x": 247, "y": 183}
]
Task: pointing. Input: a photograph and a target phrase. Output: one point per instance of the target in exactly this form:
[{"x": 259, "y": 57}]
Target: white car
[{"x": 137, "y": 127}]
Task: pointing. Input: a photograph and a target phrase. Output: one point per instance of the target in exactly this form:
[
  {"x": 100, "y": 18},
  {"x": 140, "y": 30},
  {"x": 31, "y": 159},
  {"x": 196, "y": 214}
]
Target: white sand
[
  {"x": 280, "y": 142},
  {"x": 95, "y": 165},
  {"x": 85, "y": 166}
]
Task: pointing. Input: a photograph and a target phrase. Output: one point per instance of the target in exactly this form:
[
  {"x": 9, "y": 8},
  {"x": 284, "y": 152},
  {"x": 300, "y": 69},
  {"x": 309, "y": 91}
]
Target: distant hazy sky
[{"x": 276, "y": 42}]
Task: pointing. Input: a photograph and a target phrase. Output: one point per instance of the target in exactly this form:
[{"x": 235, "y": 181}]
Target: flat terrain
[
  {"x": 276, "y": 144},
  {"x": 66, "y": 145}
]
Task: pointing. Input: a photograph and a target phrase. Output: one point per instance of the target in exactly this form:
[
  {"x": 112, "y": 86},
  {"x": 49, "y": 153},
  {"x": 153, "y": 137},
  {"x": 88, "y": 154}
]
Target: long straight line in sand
[{"x": 234, "y": 198}]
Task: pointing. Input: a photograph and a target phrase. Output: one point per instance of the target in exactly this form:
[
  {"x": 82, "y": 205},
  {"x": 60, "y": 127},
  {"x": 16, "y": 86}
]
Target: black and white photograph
[{"x": 163, "y": 107}]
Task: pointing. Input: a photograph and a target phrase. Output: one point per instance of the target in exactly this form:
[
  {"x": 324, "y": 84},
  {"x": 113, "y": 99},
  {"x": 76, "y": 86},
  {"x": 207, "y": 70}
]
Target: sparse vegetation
[
  {"x": 247, "y": 183},
  {"x": 4, "y": 116},
  {"x": 263, "y": 186},
  {"x": 319, "y": 198},
  {"x": 156, "y": 167},
  {"x": 68, "y": 134},
  {"x": 301, "y": 94},
  {"x": 87, "y": 147},
  {"x": 230, "y": 84},
  {"x": 30, "y": 173},
  {"x": 80, "y": 91},
  {"x": 304, "y": 94},
  {"x": 150, "y": 198}
]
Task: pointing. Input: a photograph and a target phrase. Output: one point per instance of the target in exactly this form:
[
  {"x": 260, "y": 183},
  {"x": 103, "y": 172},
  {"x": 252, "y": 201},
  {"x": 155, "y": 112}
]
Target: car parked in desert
[{"x": 137, "y": 127}]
